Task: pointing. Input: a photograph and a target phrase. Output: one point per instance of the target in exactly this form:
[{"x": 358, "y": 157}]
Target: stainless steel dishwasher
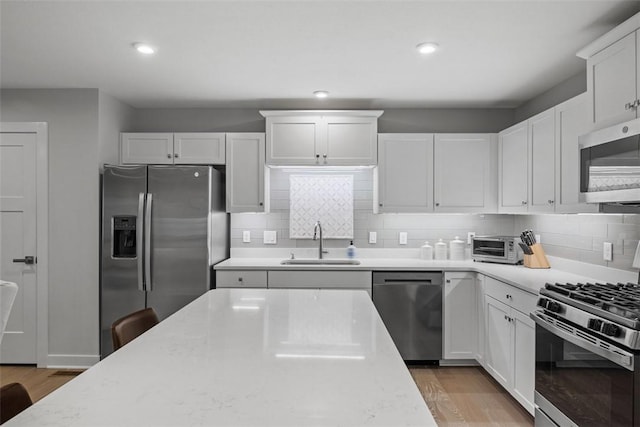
[{"x": 410, "y": 304}]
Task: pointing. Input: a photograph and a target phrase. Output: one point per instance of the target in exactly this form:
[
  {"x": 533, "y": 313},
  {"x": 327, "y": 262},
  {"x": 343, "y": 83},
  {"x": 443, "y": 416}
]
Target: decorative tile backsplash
[
  {"x": 324, "y": 198},
  {"x": 575, "y": 237}
]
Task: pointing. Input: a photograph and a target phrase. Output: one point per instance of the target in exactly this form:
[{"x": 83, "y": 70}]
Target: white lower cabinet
[
  {"x": 320, "y": 279},
  {"x": 510, "y": 342},
  {"x": 241, "y": 279},
  {"x": 460, "y": 338}
]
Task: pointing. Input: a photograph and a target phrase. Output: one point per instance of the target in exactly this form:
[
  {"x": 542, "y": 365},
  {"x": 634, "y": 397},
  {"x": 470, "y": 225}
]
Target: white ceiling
[{"x": 274, "y": 54}]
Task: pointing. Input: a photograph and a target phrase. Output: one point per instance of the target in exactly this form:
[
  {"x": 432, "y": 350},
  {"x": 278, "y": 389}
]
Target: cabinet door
[
  {"x": 465, "y": 177},
  {"x": 294, "y": 140},
  {"x": 241, "y": 279},
  {"x": 199, "y": 148},
  {"x": 460, "y": 338},
  {"x": 499, "y": 341},
  {"x": 524, "y": 350},
  {"x": 144, "y": 148},
  {"x": 245, "y": 172},
  {"x": 542, "y": 138},
  {"x": 405, "y": 172},
  {"x": 513, "y": 169},
  {"x": 480, "y": 318},
  {"x": 572, "y": 120},
  {"x": 611, "y": 83},
  {"x": 349, "y": 141}
]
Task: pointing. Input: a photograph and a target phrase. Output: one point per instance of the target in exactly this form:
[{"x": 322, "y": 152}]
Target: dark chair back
[
  {"x": 14, "y": 399},
  {"x": 132, "y": 325}
]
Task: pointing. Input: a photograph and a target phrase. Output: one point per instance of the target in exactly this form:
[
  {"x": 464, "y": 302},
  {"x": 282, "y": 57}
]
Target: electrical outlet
[
  {"x": 470, "y": 236},
  {"x": 246, "y": 236},
  {"x": 402, "y": 237},
  {"x": 373, "y": 237},
  {"x": 607, "y": 251},
  {"x": 269, "y": 237}
]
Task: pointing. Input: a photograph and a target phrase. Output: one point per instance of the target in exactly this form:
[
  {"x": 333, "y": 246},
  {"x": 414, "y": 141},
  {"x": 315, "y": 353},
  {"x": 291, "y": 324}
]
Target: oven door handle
[{"x": 618, "y": 356}]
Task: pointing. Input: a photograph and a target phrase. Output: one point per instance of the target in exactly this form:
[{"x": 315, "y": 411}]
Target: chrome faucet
[{"x": 317, "y": 227}]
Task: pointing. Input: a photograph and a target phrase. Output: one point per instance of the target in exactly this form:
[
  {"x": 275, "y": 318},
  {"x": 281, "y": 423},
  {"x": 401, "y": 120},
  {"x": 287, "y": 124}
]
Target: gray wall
[
  {"x": 393, "y": 120},
  {"x": 569, "y": 88},
  {"x": 114, "y": 117},
  {"x": 72, "y": 117}
]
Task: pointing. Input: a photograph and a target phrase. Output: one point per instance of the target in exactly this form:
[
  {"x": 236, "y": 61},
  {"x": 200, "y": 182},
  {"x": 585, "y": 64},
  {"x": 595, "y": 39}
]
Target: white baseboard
[{"x": 71, "y": 361}]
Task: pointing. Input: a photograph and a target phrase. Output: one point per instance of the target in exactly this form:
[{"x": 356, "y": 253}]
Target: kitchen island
[{"x": 248, "y": 357}]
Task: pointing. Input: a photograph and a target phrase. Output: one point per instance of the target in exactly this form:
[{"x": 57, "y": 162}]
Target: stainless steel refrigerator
[{"x": 163, "y": 228}]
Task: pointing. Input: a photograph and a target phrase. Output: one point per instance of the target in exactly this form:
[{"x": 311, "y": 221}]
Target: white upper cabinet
[
  {"x": 143, "y": 148},
  {"x": 527, "y": 165},
  {"x": 321, "y": 138},
  {"x": 405, "y": 172},
  {"x": 612, "y": 79},
  {"x": 245, "y": 174},
  {"x": 465, "y": 173},
  {"x": 541, "y": 149},
  {"x": 201, "y": 148},
  {"x": 613, "y": 75},
  {"x": 572, "y": 120},
  {"x": 513, "y": 171}
]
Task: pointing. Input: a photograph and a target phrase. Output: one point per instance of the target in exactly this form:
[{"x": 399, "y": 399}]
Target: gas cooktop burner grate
[{"x": 621, "y": 299}]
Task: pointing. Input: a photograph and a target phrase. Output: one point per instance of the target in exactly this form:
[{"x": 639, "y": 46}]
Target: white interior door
[{"x": 18, "y": 241}]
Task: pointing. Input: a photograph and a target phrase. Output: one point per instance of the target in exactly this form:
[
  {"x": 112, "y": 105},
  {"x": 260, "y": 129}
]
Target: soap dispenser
[{"x": 351, "y": 250}]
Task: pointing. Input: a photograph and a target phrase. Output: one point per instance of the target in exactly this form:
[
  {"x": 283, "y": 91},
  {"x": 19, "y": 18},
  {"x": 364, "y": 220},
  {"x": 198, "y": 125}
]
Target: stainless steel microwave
[
  {"x": 500, "y": 249},
  {"x": 610, "y": 164}
]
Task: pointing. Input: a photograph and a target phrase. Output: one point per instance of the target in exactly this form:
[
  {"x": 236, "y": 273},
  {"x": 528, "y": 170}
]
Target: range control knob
[
  {"x": 611, "y": 330},
  {"x": 554, "y": 307},
  {"x": 595, "y": 324},
  {"x": 542, "y": 302}
]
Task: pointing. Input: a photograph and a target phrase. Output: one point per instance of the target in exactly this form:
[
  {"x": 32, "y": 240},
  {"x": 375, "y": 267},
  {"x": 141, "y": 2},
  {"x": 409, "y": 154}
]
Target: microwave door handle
[
  {"x": 140, "y": 241},
  {"x": 620, "y": 357},
  {"x": 147, "y": 242}
]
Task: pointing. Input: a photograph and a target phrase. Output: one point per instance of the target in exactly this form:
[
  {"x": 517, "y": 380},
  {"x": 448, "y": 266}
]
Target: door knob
[{"x": 29, "y": 260}]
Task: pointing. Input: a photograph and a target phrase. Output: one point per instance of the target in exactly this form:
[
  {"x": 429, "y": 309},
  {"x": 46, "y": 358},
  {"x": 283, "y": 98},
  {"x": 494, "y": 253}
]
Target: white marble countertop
[
  {"x": 248, "y": 357},
  {"x": 530, "y": 280}
]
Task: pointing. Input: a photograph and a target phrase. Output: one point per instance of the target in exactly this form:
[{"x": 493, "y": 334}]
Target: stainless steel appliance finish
[
  {"x": 163, "y": 227},
  {"x": 610, "y": 164},
  {"x": 410, "y": 305},
  {"x": 500, "y": 249},
  {"x": 588, "y": 354}
]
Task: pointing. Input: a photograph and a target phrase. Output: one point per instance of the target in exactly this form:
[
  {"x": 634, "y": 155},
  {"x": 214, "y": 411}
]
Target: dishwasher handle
[{"x": 407, "y": 277}]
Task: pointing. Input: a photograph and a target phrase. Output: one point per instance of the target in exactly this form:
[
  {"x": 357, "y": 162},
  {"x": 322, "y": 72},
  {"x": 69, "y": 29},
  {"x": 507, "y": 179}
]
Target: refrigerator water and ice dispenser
[{"x": 124, "y": 236}]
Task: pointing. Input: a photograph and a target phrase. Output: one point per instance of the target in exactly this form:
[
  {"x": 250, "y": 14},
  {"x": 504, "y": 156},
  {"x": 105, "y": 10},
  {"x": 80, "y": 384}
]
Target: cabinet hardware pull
[
  {"x": 260, "y": 203},
  {"x": 550, "y": 201},
  {"x": 524, "y": 202},
  {"x": 239, "y": 279},
  {"x": 317, "y": 156},
  {"x": 379, "y": 204},
  {"x": 508, "y": 296},
  {"x": 176, "y": 155},
  {"x": 448, "y": 280},
  {"x": 168, "y": 155},
  {"x": 437, "y": 204}
]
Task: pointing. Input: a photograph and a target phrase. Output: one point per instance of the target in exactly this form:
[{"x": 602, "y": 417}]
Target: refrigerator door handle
[
  {"x": 139, "y": 240},
  {"x": 147, "y": 242}
]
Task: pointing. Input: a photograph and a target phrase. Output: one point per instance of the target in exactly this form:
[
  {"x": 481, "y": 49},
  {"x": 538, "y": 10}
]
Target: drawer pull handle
[{"x": 239, "y": 279}]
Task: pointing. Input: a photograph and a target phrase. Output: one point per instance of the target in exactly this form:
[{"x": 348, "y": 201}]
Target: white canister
[
  {"x": 440, "y": 250},
  {"x": 426, "y": 251},
  {"x": 456, "y": 249}
]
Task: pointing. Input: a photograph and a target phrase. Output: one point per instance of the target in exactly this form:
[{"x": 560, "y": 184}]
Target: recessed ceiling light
[
  {"x": 144, "y": 48},
  {"x": 321, "y": 93},
  {"x": 427, "y": 48}
]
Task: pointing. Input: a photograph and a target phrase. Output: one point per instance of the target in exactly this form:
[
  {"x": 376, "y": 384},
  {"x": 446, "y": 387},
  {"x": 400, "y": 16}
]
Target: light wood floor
[
  {"x": 468, "y": 396},
  {"x": 456, "y": 396}
]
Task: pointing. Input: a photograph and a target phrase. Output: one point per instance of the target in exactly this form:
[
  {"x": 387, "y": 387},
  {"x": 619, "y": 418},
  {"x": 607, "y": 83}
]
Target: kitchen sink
[{"x": 314, "y": 261}]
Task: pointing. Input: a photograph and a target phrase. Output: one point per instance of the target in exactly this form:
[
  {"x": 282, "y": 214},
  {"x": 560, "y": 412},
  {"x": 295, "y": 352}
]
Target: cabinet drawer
[
  {"x": 510, "y": 295},
  {"x": 241, "y": 279},
  {"x": 320, "y": 279}
]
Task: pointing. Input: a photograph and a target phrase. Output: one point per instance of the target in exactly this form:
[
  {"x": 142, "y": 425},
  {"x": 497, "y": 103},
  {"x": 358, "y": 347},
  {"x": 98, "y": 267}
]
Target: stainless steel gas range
[{"x": 588, "y": 355}]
